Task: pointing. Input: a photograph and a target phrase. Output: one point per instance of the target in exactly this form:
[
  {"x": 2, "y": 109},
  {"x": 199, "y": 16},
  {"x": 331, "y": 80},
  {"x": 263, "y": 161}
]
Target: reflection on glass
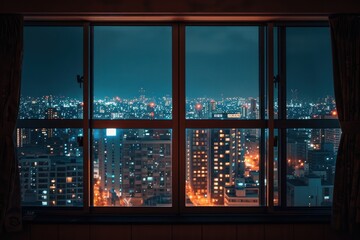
[
  {"x": 132, "y": 167},
  {"x": 132, "y": 72},
  {"x": 222, "y": 72},
  {"x": 53, "y": 58},
  {"x": 222, "y": 167},
  {"x": 51, "y": 166},
  {"x": 311, "y": 156},
  {"x": 309, "y": 73}
]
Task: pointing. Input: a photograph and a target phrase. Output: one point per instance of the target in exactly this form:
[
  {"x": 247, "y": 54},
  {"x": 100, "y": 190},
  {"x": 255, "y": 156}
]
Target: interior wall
[
  {"x": 168, "y": 231},
  {"x": 181, "y": 6},
  {"x": 178, "y": 232}
]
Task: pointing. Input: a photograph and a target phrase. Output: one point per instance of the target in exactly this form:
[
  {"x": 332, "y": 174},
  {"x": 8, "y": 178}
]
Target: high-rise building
[
  {"x": 253, "y": 112},
  {"x": 134, "y": 166},
  {"x": 107, "y": 152},
  {"x": 309, "y": 191},
  {"x": 146, "y": 167},
  {"x": 224, "y": 162},
  {"x": 215, "y": 160},
  {"x": 198, "y": 144},
  {"x": 51, "y": 181}
]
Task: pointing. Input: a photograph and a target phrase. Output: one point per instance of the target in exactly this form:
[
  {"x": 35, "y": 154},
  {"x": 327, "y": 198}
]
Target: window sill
[{"x": 286, "y": 217}]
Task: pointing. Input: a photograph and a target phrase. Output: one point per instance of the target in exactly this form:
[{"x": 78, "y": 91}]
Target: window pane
[
  {"x": 222, "y": 167},
  {"x": 311, "y": 156},
  {"x": 222, "y": 72},
  {"x": 51, "y": 166},
  {"x": 276, "y": 168},
  {"x": 53, "y": 57},
  {"x": 276, "y": 32},
  {"x": 309, "y": 72},
  {"x": 132, "y": 167},
  {"x": 132, "y": 72}
]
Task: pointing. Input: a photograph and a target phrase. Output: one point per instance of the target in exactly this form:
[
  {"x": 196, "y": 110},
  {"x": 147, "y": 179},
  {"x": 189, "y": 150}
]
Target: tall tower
[
  {"x": 212, "y": 108},
  {"x": 226, "y": 162},
  {"x": 146, "y": 167},
  {"x": 51, "y": 113},
  {"x": 108, "y": 147},
  {"x": 253, "y": 109},
  {"x": 214, "y": 161},
  {"x": 198, "y": 143}
]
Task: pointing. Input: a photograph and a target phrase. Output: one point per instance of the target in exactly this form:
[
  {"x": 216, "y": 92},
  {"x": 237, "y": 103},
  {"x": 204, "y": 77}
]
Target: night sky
[
  {"x": 309, "y": 62},
  {"x": 129, "y": 58},
  {"x": 53, "y": 57},
  {"x": 220, "y": 61}
]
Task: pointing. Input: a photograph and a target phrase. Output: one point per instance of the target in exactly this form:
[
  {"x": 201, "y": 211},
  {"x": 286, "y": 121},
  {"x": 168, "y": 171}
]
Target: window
[
  {"x": 177, "y": 118},
  {"x": 50, "y": 133},
  {"x": 132, "y": 167},
  {"x": 224, "y": 166},
  {"x": 308, "y": 131}
]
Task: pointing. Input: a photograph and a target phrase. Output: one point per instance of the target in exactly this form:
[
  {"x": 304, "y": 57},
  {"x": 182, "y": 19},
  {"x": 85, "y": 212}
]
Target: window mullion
[
  {"x": 86, "y": 131},
  {"x": 282, "y": 115},
  {"x": 270, "y": 157},
  {"x": 176, "y": 183},
  {"x": 262, "y": 106},
  {"x": 181, "y": 118}
]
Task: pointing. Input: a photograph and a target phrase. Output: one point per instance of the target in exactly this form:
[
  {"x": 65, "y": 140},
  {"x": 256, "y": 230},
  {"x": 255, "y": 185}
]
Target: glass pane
[
  {"x": 311, "y": 156},
  {"x": 276, "y": 72},
  {"x": 222, "y": 167},
  {"x": 132, "y": 167},
  {"x": 310, "y": 88},
  {"x": 276, "y": 168},
  {"x": 132, "y": 72},
  {"x": 222, "y": 72},
  {"x": 53, "y": 57},
  {"x": 51, "y": 166}
]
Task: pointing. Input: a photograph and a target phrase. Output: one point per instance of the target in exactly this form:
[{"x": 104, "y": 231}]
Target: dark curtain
[
  {"x": 345, "y": 34},
  {"x": 11, "y": 41}
]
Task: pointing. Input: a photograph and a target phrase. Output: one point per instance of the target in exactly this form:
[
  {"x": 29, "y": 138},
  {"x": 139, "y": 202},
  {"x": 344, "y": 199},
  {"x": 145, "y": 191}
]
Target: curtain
[
  {"x": 345, "y": 36},
  {"x": 11, "y": 41}
]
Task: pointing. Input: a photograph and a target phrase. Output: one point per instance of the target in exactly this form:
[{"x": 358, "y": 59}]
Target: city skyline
[{"x": 229, "y": 158}]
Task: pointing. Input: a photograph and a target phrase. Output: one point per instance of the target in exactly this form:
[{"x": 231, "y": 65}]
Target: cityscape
[{"x": 133, "y": 167}]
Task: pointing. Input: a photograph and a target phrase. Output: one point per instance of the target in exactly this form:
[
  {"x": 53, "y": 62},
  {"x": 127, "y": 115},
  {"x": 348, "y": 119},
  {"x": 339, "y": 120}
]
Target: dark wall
[
  {"x": 168, "y": 231},
  {"x": 178, "y": 232},
  {"x": 182, "y": 6}
]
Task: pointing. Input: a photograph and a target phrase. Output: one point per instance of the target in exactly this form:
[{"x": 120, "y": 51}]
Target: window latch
[
  {"x": 276, "y": 80},
  {"x": 80, "y": 80},
  {"x": 275, "y": 141}
]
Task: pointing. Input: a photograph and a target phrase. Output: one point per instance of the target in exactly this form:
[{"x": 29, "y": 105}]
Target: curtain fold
[
  {"x": 345, "y": 34},
  {"x": 11, "y": 46}
]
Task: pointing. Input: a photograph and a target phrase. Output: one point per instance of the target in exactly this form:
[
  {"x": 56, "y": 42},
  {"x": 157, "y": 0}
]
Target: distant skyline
[{"x": 220, "y": 61}]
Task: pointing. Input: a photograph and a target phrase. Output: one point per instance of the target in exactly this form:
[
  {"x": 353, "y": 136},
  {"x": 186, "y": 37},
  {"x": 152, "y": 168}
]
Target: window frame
[
  {"x": 282, "y": 123},
  {"x": 141, "y": 123},
  {"x": 179, "y": 123},
  {"x": 260, "y": 123}
]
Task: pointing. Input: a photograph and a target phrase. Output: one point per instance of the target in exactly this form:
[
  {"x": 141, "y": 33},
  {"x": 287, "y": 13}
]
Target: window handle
[
  {"x": 276, "y": 80},
  {"x": 80, "y": 80}
]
